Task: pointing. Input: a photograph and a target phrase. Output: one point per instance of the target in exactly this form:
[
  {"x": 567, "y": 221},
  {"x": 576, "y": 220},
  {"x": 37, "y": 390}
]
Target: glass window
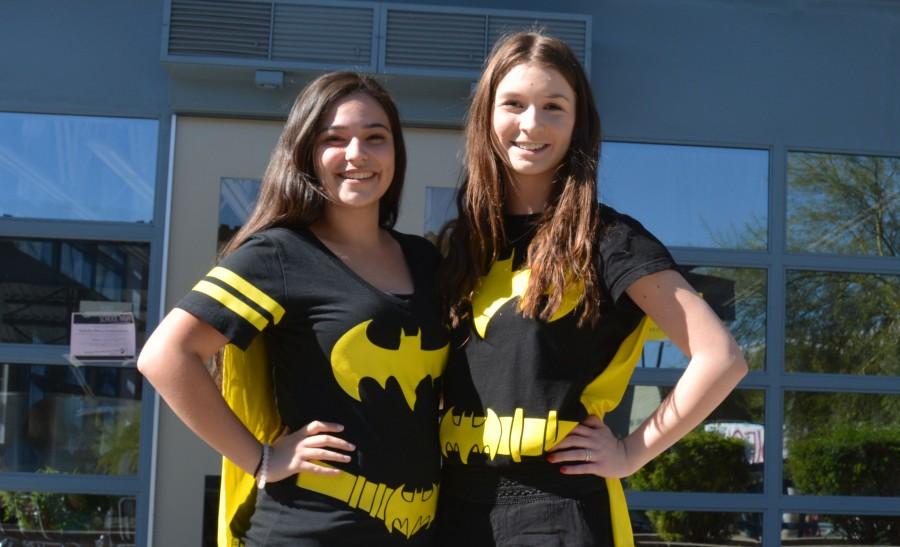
[
  {"x": 738, "y": 296},
  {"x": 70, "y": 520},
  {"x": 842, "y": 444},
  {"x": 440, "y": 208},
  {"x": 42, "y": 282},
  {"x": 847, "y": 530},
  {"x": 842, "y": 323},
  {"x": 724, "y": 454},
  {"x": 690, "y": 196},
  {"x": 843, "y": 204},
  {"x": 67, "y": 419},
  {"x": 77, "y": 167},
  {"x": 237, "y": 198},
  {"x": 695, "y": 528}
]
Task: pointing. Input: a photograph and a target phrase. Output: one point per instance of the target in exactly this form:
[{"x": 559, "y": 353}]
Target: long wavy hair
[
  {"x": 562, "y": 251},
  {"x": 291, "y": 194}
]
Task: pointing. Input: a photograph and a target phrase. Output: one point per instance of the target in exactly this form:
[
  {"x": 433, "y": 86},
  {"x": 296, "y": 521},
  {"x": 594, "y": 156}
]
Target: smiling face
[
  {"x": 532, "y": 120},
  {"x": 355, "y": 153}
]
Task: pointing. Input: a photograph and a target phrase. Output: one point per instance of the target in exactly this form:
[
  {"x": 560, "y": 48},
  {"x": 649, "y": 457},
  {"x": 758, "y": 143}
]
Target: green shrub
[
  {"x": 48, "y": 511},
  {"x": 700, "y": 462},
  {"x": 851, "y": 460},
  {"x": 123, "y": 439}
]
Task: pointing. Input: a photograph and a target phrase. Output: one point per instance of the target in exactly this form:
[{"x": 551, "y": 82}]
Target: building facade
[{"x": 760, "y": 140}]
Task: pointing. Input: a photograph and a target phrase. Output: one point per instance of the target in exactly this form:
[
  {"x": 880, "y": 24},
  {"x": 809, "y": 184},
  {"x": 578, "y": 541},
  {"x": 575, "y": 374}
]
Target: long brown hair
[
  {"x": 291, "y": 194},
  {"x": 562, "y": 250}
]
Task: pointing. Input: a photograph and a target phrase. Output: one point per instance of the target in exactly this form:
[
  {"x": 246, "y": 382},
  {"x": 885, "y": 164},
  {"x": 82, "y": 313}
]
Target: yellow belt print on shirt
[
  {"x": 247, "y": 387},
  {"x": 493, "y": 435},
  {"x": 518, "y": 435},
  {"x": 405, "y": 511}
]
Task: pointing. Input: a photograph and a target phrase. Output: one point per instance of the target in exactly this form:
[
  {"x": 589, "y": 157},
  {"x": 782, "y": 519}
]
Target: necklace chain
[{"x": 523, "y": 235}]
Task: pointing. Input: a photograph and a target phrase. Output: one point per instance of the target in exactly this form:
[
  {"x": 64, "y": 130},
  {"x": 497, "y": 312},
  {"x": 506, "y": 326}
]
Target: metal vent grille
[
  {"x": 367, "y": 36},
  {"x": 322, "y": 34},
  {"x": 227, "y": 28},
  {"x": 572, "y": 32},
  {"x": 433, "y": 40}
]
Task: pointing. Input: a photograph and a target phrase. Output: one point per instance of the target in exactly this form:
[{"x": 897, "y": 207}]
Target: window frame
[
  {"x": 774, "y": 380},
  {"x": 153, "y": 233}
]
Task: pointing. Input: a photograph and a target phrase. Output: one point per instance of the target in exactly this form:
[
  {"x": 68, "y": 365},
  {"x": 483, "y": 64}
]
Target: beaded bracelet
[{"x": 264, "y": 468}]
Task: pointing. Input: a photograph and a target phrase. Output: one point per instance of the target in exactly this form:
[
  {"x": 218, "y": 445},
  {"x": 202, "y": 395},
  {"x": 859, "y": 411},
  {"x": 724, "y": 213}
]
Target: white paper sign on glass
[{"x": 102, "y": 336}]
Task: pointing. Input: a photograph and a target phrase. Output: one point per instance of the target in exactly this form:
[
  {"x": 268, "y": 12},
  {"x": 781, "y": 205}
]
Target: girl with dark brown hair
[
  {"x": 332, "y": 339},
  {"x": 553, "y": 295}
]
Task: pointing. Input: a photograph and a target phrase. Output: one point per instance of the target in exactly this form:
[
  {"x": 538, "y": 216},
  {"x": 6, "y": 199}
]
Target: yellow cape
[
  {"x": 248, "y": 390},
  {"x": 604, "y": 394}
]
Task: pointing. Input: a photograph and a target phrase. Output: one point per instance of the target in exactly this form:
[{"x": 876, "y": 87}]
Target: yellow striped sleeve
[
  {"x": 246, "y": 288},
  {"x": 233, "y": 303}
]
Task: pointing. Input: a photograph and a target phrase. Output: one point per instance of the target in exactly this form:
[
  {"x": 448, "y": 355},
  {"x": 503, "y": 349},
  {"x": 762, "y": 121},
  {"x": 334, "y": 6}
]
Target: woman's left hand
[{"x": 591, "y": 448}]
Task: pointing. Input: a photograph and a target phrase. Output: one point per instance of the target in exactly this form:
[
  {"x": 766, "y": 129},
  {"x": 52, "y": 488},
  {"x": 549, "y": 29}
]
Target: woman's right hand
[{"x": 304, "y": 449}]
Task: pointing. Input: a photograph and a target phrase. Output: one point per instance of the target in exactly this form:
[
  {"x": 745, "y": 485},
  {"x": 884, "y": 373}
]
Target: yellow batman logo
[
  {"x": 355, "y": 357},
  {"x": 513, "y": 436},
  {"x": 468, "y": 434},
  {"x": 408, "y": 512},
  {"x": 502, "y": 284}
]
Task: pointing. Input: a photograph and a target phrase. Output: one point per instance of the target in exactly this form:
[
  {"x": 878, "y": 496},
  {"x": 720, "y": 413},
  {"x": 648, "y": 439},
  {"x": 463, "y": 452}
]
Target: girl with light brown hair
[{"x": 552, "y": 295}]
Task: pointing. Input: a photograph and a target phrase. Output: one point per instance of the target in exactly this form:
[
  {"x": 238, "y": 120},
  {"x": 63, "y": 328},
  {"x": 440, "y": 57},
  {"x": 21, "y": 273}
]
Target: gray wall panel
[
  {"x": 804, "y": 73},
  {"x": 808, "y": 73},
  {"x": 95, "y": 56}
]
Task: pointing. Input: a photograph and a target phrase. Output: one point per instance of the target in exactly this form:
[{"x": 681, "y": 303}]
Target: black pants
[
  {"x": 474, "y": 512},
  {"x": 319, "y": 521}
]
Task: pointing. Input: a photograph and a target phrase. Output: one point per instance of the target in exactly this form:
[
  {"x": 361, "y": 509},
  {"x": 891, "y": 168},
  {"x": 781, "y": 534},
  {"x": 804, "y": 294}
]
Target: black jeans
[{"x": 475, "y": 512}]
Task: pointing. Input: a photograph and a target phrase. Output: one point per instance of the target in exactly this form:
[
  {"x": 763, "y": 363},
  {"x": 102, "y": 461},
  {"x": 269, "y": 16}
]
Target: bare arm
[
  {"x": 173, "y": 361},
  {"x": 715, "y": 368}
]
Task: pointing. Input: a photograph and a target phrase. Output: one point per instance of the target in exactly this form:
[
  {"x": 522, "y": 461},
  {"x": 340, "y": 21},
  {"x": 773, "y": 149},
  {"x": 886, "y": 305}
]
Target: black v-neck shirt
[
  {"x": 518, "y": 380},
  {"x": 341, "y": 350}
]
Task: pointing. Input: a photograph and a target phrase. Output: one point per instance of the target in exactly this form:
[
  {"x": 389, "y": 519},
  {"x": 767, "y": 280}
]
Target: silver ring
[{"x": 587, "y": 454}]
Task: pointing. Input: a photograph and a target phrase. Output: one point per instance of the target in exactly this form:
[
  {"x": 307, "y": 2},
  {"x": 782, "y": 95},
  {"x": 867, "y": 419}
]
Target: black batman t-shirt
[
  {"x": 343, "y": 351},
  {"x": 518, "y": 386}
]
